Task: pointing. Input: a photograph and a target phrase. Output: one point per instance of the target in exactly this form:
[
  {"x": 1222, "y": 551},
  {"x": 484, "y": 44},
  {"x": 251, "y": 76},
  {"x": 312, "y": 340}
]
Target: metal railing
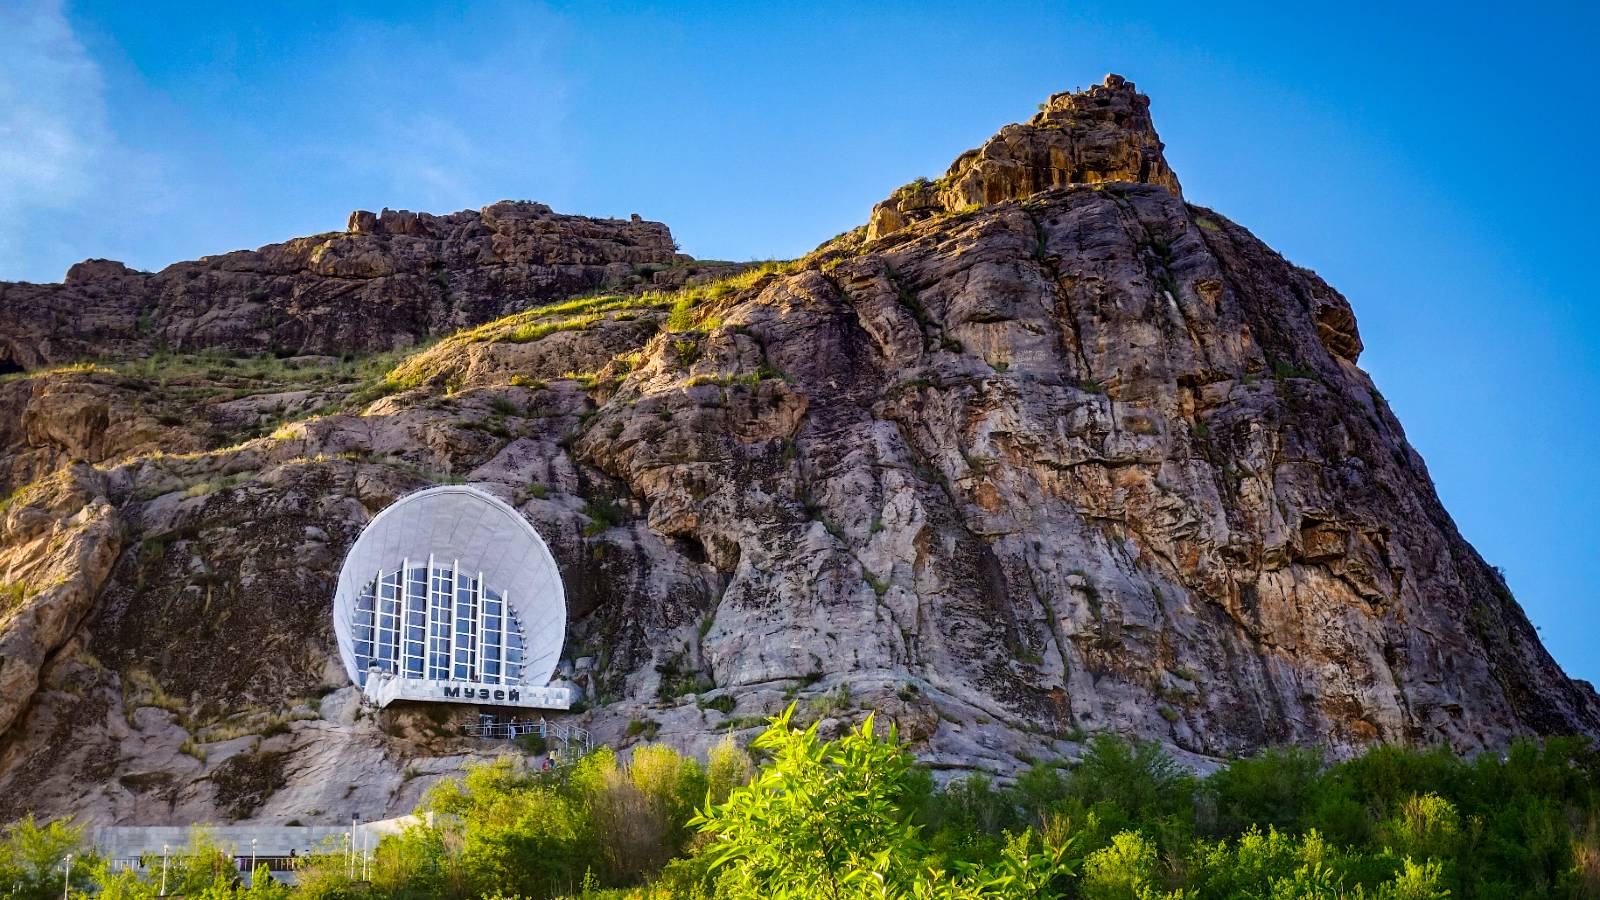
[{"x": 571, "y": 736}]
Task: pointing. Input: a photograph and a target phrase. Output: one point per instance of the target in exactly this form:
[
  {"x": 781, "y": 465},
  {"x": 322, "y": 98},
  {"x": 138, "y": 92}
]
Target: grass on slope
[{"x": 689, "y": 309}]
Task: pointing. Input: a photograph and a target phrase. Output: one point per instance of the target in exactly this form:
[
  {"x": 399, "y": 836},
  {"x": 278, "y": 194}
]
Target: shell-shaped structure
[{"x": 450, "y": 585}]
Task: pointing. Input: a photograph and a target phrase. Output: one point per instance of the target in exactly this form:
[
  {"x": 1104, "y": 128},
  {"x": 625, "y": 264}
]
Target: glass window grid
[
  {"x": 441, "y": 591},
  {"x": 437, "y": 620},
  {"x": 466, "y": 637},
  {"x": 416, "y": 619}
]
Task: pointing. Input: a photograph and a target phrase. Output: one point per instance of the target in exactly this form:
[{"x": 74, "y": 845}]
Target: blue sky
[{"x": 1433, "y": 163}]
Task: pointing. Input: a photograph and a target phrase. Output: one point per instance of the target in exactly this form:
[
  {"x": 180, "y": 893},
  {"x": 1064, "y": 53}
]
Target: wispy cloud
[
  {"x": 259, "y": 131},
  {"x": 53, "y": 127}
]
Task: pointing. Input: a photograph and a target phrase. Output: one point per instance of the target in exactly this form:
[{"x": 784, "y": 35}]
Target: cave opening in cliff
[{"x": 8, "y": 366}]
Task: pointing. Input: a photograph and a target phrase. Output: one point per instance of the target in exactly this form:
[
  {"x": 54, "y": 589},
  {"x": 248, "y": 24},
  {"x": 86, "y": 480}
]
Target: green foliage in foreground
[{"x": 854, "y": 818}]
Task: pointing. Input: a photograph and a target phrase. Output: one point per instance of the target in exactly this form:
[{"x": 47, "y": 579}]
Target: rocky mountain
[
  {"x": 385, "y": 282},
  {"x": 1041, "y": 450}
]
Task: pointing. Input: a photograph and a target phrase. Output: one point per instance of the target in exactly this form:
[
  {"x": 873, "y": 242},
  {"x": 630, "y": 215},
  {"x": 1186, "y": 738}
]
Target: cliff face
[
  {"x": 1049, "y": 453},
  {"x": 388, "y": 281}
]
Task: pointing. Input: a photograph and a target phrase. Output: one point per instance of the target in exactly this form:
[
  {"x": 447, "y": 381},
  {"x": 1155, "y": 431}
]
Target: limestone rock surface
[{"x": 1042, "y": 451}]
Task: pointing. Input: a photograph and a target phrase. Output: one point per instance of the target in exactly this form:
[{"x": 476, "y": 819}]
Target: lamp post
[
  {"x": 252, "y": 862},
  {"x": 66, "y": 880},
  {"x": 165, "y": 849}
]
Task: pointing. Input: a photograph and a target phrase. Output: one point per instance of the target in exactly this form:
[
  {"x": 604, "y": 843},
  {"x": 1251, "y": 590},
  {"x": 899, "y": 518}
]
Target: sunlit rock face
[
  {"x": 1051, "y": 453},
  {"x": 1100, "y": 135}
]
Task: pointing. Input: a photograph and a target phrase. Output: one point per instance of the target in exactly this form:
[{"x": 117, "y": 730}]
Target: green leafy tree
[
  {"x": 820, "y": 820},
  {"x": 727, "y": 767},
  {"x": 33, "y": 859},
  {"x": 829, "y": 819},
  {"x": 1270, "y": 790},
  {"x": 201, "y": 868}
]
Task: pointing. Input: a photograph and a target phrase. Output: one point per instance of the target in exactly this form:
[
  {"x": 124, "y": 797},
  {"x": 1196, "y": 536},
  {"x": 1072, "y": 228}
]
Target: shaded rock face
[
  {"x": 390, "y": 281},
  {"x": 1080, "y": 457}
]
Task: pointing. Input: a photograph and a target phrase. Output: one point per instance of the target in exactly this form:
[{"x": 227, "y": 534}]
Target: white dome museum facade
[{"x": 450, "y": 595}]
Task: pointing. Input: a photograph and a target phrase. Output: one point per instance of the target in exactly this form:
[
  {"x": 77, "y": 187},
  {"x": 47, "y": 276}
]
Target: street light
[
  {"x": 252, "y": 862},
  {"x": 165, "y": 849},
  {"x": 66, "y": 880}
]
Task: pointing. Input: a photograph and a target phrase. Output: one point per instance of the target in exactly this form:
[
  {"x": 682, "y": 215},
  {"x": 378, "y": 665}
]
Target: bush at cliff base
[{"x": 855, "y": 817}]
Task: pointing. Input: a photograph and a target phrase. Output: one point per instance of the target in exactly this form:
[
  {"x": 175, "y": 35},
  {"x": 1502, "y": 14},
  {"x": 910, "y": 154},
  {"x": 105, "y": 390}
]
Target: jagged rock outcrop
[
  {"x": 1057, "y": 453},
  {"x": 1101, "y": 135},
  {"x": 389, "y": 281}
]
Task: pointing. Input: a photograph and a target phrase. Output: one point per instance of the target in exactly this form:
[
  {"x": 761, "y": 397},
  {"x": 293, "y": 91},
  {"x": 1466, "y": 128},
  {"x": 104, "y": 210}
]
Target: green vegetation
[
  {"x": 687, "y": 310},
  {"x": 723, "y": 704},
  {"x": 690, "y": 307},
  {"x": 1282, "y": 370},
  {"x": 532, "y": 744},
  {"x": 241, "y": 376},
  {"x": 855, "y": 818},
  {"x": 31, "y": 859},
  {"x": 603, "y": 514},
  {"x": 679, "y": 677},
  {"x": 12, "y": 595},
  {"x": 213, "y": 485},
  {"x": 729, "y": 379},
  {"x": 523, "y": 334},
  {"x": 646, "y": 728}
]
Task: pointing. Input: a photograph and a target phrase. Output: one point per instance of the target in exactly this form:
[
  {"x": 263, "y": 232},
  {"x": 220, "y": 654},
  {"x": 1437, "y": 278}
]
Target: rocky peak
[
  {"x": 391, "y": 221},
  {"x": 1087, "y": 137},
  {"x": 99, "y": 270}
]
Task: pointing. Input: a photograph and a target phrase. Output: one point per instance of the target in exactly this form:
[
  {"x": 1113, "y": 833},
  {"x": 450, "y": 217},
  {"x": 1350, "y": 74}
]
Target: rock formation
[
  {"x": 388, "y": 281},
  {"x": 1101, "y": 135},
  {"x": 1040, "y": 451}
]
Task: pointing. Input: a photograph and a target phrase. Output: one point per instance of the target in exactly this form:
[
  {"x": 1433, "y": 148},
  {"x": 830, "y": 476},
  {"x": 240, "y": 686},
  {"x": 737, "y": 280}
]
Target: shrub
[
  {"x": 823, "y": 815},
  {"x": 603, "y": 514},
  {"x": 1125, "y": 870},
  {"x": 723, "y": 704},
  {"x": 12, "y": 596},
  {"x": 727, "y": 767},
  {"x": 1131, "y": 784},
  {"x": 833, "y": 702},
  {"x": 1416, "y": 882},
  {"x": 1271, "y": 789},
  {"x": 854, "y": 818},
  {"x": 1425, "y": 825}
]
